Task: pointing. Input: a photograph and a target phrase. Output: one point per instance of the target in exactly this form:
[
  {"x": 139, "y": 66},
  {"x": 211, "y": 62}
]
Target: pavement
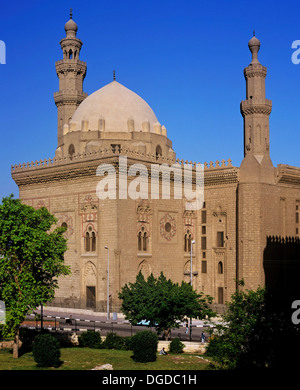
[
  {"x": 83, "y": 320},
  {"x": 118, "y": 318}
]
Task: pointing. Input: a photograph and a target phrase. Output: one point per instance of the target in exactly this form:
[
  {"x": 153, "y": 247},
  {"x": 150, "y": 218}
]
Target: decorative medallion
[
  {"x": 145, "y": 269},
  {"x": 167, "y": 227}
]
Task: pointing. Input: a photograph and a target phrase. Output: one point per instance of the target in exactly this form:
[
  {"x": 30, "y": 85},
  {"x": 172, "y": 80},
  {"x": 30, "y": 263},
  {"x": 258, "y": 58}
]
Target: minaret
[
  {"x": 257, "y": 193},
  {"x": 71, "y": 73},
  {"x": 256, "y": 108}
]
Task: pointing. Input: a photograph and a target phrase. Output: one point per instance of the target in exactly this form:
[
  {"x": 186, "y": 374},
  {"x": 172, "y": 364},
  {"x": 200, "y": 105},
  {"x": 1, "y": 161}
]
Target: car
[{"x": 145, "y": 323}]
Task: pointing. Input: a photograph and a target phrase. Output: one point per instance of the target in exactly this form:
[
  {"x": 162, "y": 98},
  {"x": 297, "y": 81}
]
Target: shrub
[
  {"x": 128, "y": 343},
  {"x": 90, "y": 339},
  {"x": 46, "y": 351},
  {"x": 27, "y": 337},
  {"x": 176, "y": 346},
  {"x": 113, "y": 341},
  {"x": 64, "y": 340},
  {"x": 144, "y": 346}
]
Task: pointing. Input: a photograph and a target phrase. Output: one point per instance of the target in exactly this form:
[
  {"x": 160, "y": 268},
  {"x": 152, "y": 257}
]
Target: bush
[
  {"x": 128, "y": 343},
  {"x": 176, "y": 346},
  {"x": 113, "y": 341},
  {"x": 46, "y": 351},
  {"x": 64, "y": 340},
  {"x": 144, "y": 345},
  {"x": 27, "y": 337},
  {"x": 90, "y": 339}
]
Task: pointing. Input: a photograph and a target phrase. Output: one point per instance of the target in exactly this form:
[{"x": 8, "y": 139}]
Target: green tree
[
  {"x": 31, "y": 260},
  {"x": 255, "y": 333},
  {"x": 163, "y": 303}
]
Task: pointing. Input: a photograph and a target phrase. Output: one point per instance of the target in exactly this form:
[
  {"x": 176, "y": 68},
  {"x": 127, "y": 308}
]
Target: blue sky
[{"x": 185, "y": 58}]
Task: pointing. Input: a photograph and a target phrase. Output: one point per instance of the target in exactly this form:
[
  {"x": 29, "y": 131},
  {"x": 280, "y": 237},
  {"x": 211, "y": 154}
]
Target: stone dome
[
  {"x": 71, "y": 26},
  {"x": 254, "y": 46},
  {"x": 254, "y": 42},
  {"x": 114, "y": 108}
]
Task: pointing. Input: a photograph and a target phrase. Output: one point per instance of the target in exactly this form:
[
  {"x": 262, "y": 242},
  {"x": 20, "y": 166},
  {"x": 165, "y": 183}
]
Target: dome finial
[
  {"x": 71, "y": 26},
  {"x": 254, "y": 46},
  {"x": 114, "y": 75}
]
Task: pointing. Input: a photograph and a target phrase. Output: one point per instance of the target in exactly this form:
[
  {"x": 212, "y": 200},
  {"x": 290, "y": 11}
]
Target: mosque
[{"x": 247, "y": 227}]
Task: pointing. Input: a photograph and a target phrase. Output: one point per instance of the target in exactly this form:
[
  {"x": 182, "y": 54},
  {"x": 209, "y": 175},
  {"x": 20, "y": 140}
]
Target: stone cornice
[
  {"x": 253, "y": 107},
  {"x": 69, "y": 97},
  {"x": 287, "y": 174},
  {"x": 85, "y": 165},
  {"x": 257, "y": 70},
  {"x": 67, "y": 65}
]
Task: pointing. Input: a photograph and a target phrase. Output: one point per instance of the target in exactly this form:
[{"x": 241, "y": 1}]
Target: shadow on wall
[{"x": 282, "y": 269}]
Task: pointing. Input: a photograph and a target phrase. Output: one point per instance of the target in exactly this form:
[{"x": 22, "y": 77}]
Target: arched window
[
  {"x": 93, "y": 239},
  {"x": 220, "y": 267},
  {"x": 143, "y": 240},
  {"x": 158, "y": 151},
  {"x": 87, "y": 242},
  {"x": 187, "y": 241},
  {"x": 140, "y": 241},
  {"x": 90, "y": 240},
  {"x": 70, "y": 54},
  {"x": 71, "y": 150}
]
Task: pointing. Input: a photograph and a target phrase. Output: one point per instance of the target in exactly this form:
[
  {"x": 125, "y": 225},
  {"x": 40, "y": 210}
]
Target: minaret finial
[
  {"x": 254, "y": 33},
  {"x": 114, "y": 75},
  {"x": 71, "y": 13}
]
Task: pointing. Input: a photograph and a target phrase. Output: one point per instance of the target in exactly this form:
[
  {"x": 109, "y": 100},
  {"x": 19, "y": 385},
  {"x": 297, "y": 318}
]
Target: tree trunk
[
  {"x": 16, "y": 345},
  {"x": 167, "y": 333}
]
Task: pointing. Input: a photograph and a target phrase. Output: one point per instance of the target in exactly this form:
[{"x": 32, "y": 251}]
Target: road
[{"x": 79, "y": 322}]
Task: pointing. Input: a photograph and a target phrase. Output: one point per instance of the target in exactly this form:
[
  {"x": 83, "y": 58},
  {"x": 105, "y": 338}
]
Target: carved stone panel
[{"x": 168, "y": 226}]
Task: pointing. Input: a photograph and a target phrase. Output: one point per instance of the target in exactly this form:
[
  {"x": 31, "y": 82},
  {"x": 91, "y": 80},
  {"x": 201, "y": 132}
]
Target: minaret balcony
[
  {"x": 256, "y": 106},
  {"x": 69, "y": 97},
  {"x": 70, "y": 65}
]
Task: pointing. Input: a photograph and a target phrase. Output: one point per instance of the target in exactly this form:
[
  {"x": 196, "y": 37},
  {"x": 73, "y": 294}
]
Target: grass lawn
[{"x": 87, "y": 358}]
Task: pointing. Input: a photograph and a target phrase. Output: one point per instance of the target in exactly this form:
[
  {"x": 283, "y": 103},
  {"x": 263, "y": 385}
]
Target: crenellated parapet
[
  {"x": 86, "y": 164},
  {"x": 113, "y": 152},
  {"x": 287, "y": 174}
]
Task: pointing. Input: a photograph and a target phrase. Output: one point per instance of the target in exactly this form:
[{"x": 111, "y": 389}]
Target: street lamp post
[
  {"x": 106, "y": 247},
  {"x": 192, "y": 242}
]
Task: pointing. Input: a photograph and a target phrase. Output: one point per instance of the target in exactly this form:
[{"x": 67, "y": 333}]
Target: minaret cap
[
  {"x": 254, "y": 46},
  {"x": 71, "y": 27}
]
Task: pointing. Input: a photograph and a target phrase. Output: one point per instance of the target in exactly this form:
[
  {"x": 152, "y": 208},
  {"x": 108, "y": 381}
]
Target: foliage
[
  {"x": 90, "y": 339},
  {"x": 176, "y": 346},
  {"x": 113, "y": 341},
  {"x": 163, "y": 303},
  {"x": 46, "y": 351},
  {"x": 144, "y": 346},
  {"x": 256, "y": 335},
  {"x": 31, "y": 259},
  {"x": 128, "y": 343},
  {"x": 27, "y": 337}
]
